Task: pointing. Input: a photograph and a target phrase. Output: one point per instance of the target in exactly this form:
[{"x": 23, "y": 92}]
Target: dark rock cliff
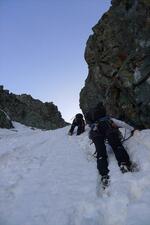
[
  {"x": 31, "y": 112},
  {"x": 118, "y": 58},
  {"x": 5, "y": 121}
]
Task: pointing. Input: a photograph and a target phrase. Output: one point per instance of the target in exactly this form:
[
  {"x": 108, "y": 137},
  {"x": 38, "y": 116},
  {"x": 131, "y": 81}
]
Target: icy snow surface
[{"x": 50, "y": 178}]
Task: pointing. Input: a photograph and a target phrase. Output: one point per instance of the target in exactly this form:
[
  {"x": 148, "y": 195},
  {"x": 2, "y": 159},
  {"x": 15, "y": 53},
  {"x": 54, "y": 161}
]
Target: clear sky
[{"x": 42, "y": 45}]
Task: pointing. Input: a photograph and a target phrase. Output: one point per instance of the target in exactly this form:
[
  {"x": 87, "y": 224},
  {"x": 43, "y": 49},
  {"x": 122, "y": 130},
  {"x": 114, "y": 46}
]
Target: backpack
[
  {"x": 104, "y": 127},
  {"x": 95, "y": 113}
]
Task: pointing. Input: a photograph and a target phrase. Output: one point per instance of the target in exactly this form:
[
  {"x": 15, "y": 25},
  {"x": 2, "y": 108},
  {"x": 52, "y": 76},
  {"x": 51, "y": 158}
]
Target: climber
[
  {"x": 79, "y": 122},
  {"x": 104, "y": 128}
]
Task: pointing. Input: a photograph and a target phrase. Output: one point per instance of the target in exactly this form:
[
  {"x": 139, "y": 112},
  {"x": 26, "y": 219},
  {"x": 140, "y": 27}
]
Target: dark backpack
[
  {"x": 95, "y": 113},
  {"x": 104, "y": 127}
]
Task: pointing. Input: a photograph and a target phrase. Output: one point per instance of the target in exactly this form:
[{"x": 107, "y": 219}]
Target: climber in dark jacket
[
  {"x": 105, "y": 128},
  {"x": 79, "y": 122}
]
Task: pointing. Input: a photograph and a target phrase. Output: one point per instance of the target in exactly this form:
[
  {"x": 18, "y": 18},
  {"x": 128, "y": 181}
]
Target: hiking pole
[{"x": 132, "y": 133}]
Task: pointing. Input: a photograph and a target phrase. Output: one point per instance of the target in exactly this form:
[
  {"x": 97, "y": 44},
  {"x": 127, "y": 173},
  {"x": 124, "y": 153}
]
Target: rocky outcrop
[
  {"x": 31, "y": 112},
  {"x": 5, "y": 121},
  {"x": 118, "y": 57}
]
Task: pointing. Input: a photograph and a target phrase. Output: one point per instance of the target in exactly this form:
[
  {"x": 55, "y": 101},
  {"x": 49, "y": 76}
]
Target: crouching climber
[
  {"x": 104, "y": 128},
  {"x": 79, "y": 123}
]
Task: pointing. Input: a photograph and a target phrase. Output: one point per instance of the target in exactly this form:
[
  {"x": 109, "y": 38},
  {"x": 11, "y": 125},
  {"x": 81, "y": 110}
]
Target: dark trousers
[
  {"x": 117, "y": 147},
  {"x": 80, "y": 129}
]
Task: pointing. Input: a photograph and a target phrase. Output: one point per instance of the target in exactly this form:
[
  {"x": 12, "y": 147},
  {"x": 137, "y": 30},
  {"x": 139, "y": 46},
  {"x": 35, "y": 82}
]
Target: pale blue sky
[{"x": 42, "y": 45}]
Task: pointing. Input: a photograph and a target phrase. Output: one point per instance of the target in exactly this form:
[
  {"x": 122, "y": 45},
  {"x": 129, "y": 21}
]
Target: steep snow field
[{"x": 50, "y": 178}]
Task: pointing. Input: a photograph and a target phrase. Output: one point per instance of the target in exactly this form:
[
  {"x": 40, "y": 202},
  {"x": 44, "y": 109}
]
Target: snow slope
[{"x": 50, "y": 178}]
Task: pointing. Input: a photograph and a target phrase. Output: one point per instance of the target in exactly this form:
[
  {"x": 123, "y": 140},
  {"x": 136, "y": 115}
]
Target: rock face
[
  {"x": 118, "y": 57},
  {"x": 5, "y": 121},
  {"x": 31, "y": 112}
]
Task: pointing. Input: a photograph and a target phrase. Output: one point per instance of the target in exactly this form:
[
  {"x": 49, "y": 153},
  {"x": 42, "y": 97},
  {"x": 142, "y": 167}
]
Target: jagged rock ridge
[
  {"x": 31, "y": 112},
  {"x": 118, "y": 57}
]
